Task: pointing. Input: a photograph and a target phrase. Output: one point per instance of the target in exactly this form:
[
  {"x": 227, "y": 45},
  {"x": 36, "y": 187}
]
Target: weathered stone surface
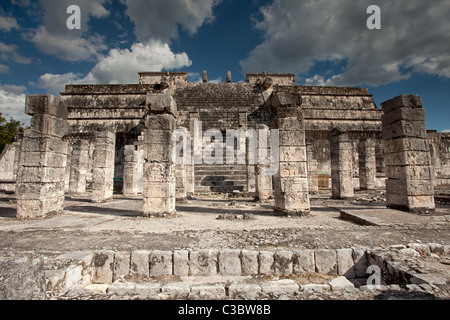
[
  {"x": 238, "y": 290},
  {"x": 230, "y": 262},
  {"x": 283, "y": 263},
  {"x": 203, "y": 262},
  {"x": 178, "y": 290},
  {"x": 103, "y": 264},
  {"x": 280, "y": 287},
  {"x": 140, "y": 263},
  {"x": 249, "y": 262},
  {"x": 304, "y": 261},
  {"x": 341, "y": 283},
  {"x": 266, "y": 262},
  {"x": 209, "y": 292},
  {"x": 345, "y": 263},
  {"x": 326, "y": 262},
  {"x": 122, "y": 262},
  {"x": 160, "y": 263},
  {"x": 181, "y": 263},
  {"x": 22, "y": 278}
]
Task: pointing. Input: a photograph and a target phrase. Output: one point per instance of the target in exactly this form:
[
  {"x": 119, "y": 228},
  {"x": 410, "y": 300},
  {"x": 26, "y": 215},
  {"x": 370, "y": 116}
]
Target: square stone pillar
[
  {"x": 341, "y": 165},
  {"x": 159, "y": 146},
  {"x": 132, "y": 170},
  {"x": 367, "y": 165},
  {"x": 180, "y": 183},
  {"x": 263, "y": 183},
  {"x": 103, "y": 167},
  {"x": 409, "y": 184},
  {"x": 313, "y": 183},
  {"x": 79, "y": 166},
  {"x": 42, "y": 166},
  {"x": 291, "y": 180}
]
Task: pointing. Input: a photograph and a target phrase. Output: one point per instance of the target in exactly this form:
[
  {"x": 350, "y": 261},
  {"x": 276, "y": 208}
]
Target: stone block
[
  {"x": 409, "y": 172},
  {"x": 360, "y": 262},
  {"x": 40, "y": 191},
  {"x": 292, "y": 154},
  {"x": 345, "y": 263},
  {"x": 230, "y": 262},
  {"x": 140, "y": 266},
  {"x": 237, "y": 290},
  {"x": 45, "y": 104},
  {"x": 409, "y": 188},
  {"x": 292, "y": 138},
  {"x": 249, "y": 262},
  {"x": 160, "y": 263},
  {"x": 266, "y": 263},
  {"x": 203, "y": 262},
  {"x": 181, "y": 263},
  {"x": 283, "y": 263},
  {"x": 121, "y": 265},
  {"x": 44, "y": 159},
  {"x": 405, "y": 129},
  {"x": 158, "y": 103},
  {"x": 103, "y": 263},
  {"x": 160, "y": 122},
  {"x": 178, "y": 290},
  {"x": 436, "y": 248},
  {"x": 401, "y": 101},
  {"x": 341, "y": 283},
  {"x": 207, "y": 292},
  {"x": 29, "y": 208},
  {"x": 49, "y": 125},
  {"x": 411, "y": 158},
  {"x": 304, "y": 261},
  {"x": 403, "y": 114},
  {"x": 326, "y": 261},
  {"x": 280, "y": 287}
]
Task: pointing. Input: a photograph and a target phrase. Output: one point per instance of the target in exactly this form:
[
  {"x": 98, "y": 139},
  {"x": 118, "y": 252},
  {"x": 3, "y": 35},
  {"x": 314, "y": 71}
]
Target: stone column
[
  {"x": 291, "y": 180},
  {"x": 78, "y": 166},
  {"x": 409, "y": 184},
  {"x": 313, "y": 183},
  {"x": 159, "y": 176},
  {"x": 263, "y": 185},
  {"x": 41, "y": 174},
  {"x": 180, "y": 183},
  {"x": 132, "y": 170},
  {"x": 103, "y": 167},
  {"x": 341, "y": 164},
  {"x": 190, "y": 171},
  {"x": 367, "y": 165}
]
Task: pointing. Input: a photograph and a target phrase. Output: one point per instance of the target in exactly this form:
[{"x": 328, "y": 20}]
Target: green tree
[{"x": 9, "y": 130}]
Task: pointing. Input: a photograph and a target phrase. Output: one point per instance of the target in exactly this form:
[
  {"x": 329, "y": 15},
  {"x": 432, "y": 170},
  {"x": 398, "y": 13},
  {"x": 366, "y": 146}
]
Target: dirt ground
[{"x": 117, "y": 225}]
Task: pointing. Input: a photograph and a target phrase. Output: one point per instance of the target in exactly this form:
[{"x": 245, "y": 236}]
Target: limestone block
[
  {"x": 292, "y": 138},
  {"x": 266, "y": 262},
  {"x": 160, "y": 263},
  {"x": 230, "y": 262},
  {"x": 411, "y": 158},
  {"x": 49, "y": 125},
  {"x": 326, "y": 261},
  {"x": 409, "y": 172},
  {"x": 40, "y": 175},
  {"x": 290, "y": 123},
  {"x": 207, "y": 292},
  {"x": 403, "y": 114},
  {"x": 159, "y": 172},
  {"x": 295, "y": 168},
  {"x": 160, "y": 190},
  {"x": 140, "y": 263},
  {"x": 436, "y": 248},
  {"x": 40, "y": 191},
  {"x": 402, "y": 145},
  {"x": 401, "y": 101},
  {"x": 203, "y": 262},
  {"x": 29, "y": 208},
  {"x": 341, "y": 283},
  {"x": 181, "y": 263},
  {"x": 160, "y": 122},
  {"x": 44, "y": 145},
  {"x": 249, "y": 262},
  {"x": 345, "y": 263},
  {"x": 161, "y": 103},
  {"x": 283, "y": 263},
  {"x": 45, "y": 104},
  {"x": 280, "y": 287},
  {"x": 237, "y": 290},
  {"x": 121, "y": 265},
  {"x": 304, "y": 261},
  {"x": 74, "y": 277},
  {"x": 44, "y": 159},
  {"x": 103, "y": 263},
  {"x": 410, "y": 188},
  {"x": 177, "y": 290},
  {"x": 360, "y": 262},
  {"x": 291, "y": 154}
]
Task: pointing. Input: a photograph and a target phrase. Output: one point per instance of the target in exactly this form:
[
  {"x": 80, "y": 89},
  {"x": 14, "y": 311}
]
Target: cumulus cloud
[
  {"x": 120, "y": 66},
  {"x": 12, "y": 103},
  {"x": 54, "y": 38},
  {"x": 415, "y": 37},
  {"x": 8, "y": 23},
  {"x": 160, "y": 20}
]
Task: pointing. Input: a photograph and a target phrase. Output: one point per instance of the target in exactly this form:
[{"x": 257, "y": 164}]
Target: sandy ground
[{"x": 117, "y": 225}]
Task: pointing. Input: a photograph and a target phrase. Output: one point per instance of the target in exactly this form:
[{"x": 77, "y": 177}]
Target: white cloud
[
  {"x": 159, "y": 20},
  {"x": 120, "y": 66},
  {"x": 8, "y": 23},
  {"x": 446, "y": 130},
  {"x": 4, "y": 69},
  {"x": 66, "y": 48},
  {"x": 415, "y": 37},
  {"x": 54, "y": 38},
  {"x": 13, "y": 104}
]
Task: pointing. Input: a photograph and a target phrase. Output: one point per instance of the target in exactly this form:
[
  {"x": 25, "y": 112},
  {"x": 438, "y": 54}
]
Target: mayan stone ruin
[{"x": 268, "y": 168}]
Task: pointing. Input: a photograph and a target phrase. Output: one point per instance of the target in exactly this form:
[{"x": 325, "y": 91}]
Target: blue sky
[{"x": 324, "y": 42}]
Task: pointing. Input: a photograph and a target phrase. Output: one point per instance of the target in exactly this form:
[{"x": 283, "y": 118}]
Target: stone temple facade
[{"x": 119, "y": 138}]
